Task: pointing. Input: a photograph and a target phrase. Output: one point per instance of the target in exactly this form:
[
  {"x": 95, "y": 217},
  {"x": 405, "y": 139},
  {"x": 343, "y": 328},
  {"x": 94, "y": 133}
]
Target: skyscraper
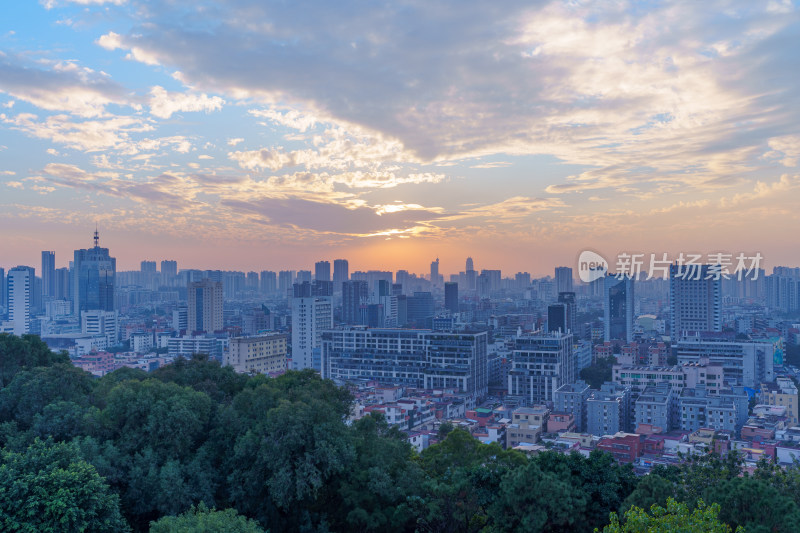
[
  {"x": 285, "y": 280},
  {"x": 19, "y": 299},
  {"x": 341, "y": 273},
  {"x": 435, "y": 273},
  {"x": 355, "y": 293},
  {"x": 451, "y": 296},
  {"x": 695, "y": 299},
  {"x": 148, "y": 266},
  {"x": 470, "y": 265},
  {"x": 322, "y": 271},
  {"x": 269, "y": 283},
  {"x": 205, "y": 300},
  {"x": 48, "y": 275},
  {"x": 3, "y": 288},
  {"x": 563, "y": 279},
  {"x": 618, "y": 308},
  {"x": 169, "y": 272},
  {"x": 95, "y": 272},
  {"x": 310, "y": 316}
]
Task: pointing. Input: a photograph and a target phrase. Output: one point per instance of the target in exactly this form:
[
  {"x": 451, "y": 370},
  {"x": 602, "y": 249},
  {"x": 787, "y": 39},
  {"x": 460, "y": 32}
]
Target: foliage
[
  {"x": 23, "y": 353},
  {"x": 675, "y": 518},
  {"x": 50, "y": 488},
  {"x": 598, "y": 373},
  {"x": 201, "y": 519}
]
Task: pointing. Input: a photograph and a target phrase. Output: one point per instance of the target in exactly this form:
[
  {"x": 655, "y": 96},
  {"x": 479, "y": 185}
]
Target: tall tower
[
  {"x": 451, "y": 296},
  {"x": 470, "y": 265},
  {"x": 695, "y": 299},
  {"x": 618, "y": 308},
  {"x": 341, "y": 273},
  {"x": 95, "y": 273},
  {"x": 48, "y": 275},
  {"x": 205, "y": 300},
  {"x": 20, "y": 290},
  {"x": 322, "y": 271},
  {"x": 310, "y": 317},
  {"x": 435, "y": 273},
  {"x": 563, "y": 279},
  {"x": 355, "y": 293}
]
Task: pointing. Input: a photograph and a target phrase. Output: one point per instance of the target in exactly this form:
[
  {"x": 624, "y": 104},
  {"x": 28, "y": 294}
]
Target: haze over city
[{"x": 517, "y": 133}]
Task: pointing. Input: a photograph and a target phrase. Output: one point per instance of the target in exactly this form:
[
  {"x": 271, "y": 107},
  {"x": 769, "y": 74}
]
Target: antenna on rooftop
[{"x": 96, "y": 236}]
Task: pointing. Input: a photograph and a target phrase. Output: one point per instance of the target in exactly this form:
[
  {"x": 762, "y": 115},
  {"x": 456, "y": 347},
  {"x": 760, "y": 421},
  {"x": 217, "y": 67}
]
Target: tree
[
  {"x": 23, "y": 353},
  {"x": 676, "y": 518},
  {"x": 598, "y": 373},
  {"x": 50, "y": 488},
  {"x": 754, "y": 504},
  {"x": 201, "y": 519},
  {"x": 534, "y": 501}
]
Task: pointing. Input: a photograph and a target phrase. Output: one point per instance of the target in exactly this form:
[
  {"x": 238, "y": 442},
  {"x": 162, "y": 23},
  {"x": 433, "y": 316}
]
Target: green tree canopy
[
  {"x": 25, "y": 352},
  {"x": 201, "y": 519},
  {"x": 50, "y": 488},
  {"x": 675, "y": 518}
]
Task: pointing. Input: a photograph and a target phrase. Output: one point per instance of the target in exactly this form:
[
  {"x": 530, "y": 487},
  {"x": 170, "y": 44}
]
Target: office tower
[
  {"x": 695, "y": 299},
  {"x": 310, "y": 317},
  {"x": 269, "y": 282},
  {"x": 303, "y": 276},
  {"x": 95, "y": 272},
  {"x": 563, "y": 279},
  {"x": 322, "y": 271},
  {"x": 3, "y": 289},
  {"x": 470, "y": 276},
  {"x": 470, "y": 265},
  {"x": 355, "y": 293},
  {"x": 540, "y": 365},
  {"x": 63, "y": 284},
  {"x": 568, "y": 299},
  {"x": 101, "y": 323},
  {"x": 169, "y": 269},
  {"x": 285, "y": 280},
  {"x": 19, "y": 299},
  {"x": 451, "y": 297},
  {"x": 420, "y": 306},
  {"x": 414, "y": 358},
  {"x": 341, "y": 273},
  {"x": 204, "y": 312},
  {"x": 618, "y": 308},
  {"x": 435, "y": 273},
  {"x": 48, "y": 275},
  {"x": 557, "y": 318}
]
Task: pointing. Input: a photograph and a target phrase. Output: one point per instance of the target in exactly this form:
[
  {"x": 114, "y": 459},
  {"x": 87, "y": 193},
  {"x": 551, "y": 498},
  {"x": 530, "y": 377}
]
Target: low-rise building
[{"x": 259, "y": 354}]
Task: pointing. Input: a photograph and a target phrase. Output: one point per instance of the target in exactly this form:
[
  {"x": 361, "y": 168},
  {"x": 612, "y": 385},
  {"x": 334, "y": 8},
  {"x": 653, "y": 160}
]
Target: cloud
[
  {"x": 234, "y": 142},
  {"x": 50, "y": 4},
  {"x": 164, "y": 103},
  {"x": 59, "y": 86},
  {"x": 787, "y": 148}
]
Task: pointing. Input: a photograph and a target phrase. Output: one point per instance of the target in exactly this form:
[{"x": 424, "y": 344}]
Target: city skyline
[{"x": 518, "y": 134}]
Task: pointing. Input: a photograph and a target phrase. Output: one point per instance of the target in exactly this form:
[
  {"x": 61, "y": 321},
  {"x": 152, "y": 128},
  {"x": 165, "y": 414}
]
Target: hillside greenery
[{"x": 196, "y": 447}]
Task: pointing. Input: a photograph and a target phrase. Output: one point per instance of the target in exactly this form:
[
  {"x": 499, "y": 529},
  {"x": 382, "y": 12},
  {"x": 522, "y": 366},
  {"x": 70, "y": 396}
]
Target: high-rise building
[
  {"x": 451, "y": 297},
  {"x": 95, "y": 273},
  {"x": 285, "y": 280},
  {"x": 19, "y": 299},
  {"x": 563, "y": 279},
  {"x": 148, "y": 266},
  {"x": 169, "y": 269},
  {"x": 695, "y": 295},
  {"x": 63, "y": 284},
  {"x": 48, "y": 275},
  {"x": 540, "y": 365},
  {"x": 101, "y": 323},
  {"x": 470, "y": 265},
  {"x": 355, "y": 293},
  {"x": 269, "y": 282},
  {"x": 310, "y": 317},
  {"x": 341, "y": 273},
  {"x": 205, "y": 299},
  {"x": 416, "y": 358},
  {"x": 618, "y": 308},
  {"x": 3, "y": 289},
  {"x": 303, "y": 276},
  {"x": 435, "y": 273},
  {"x": 322, "y": 271}
]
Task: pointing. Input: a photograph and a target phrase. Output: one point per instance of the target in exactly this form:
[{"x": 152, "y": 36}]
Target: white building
[
  {"x": 259, "y": 354},
  {"x": 310, "y": 317},
  {"x": 19, "y": 299},
  {"x": 744, "y": 363},
  {"x": 99, "y": 322}
]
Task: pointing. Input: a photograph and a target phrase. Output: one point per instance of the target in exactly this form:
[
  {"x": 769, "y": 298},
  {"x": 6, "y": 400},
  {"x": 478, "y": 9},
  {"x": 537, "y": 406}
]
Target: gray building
[
  {"x": 744, "y": 363},
  {"x": 412, "y": 357},
  {"x": 618, "y": 308},
  {"x": 540, "y": 365},
  {"x": 95, "y": 272},
  {"x": 656, "y": 406},
  {"x": 571, "y": 398},
  {"x": 695, "y": 296},
  {"x": 608, "y": 410},
  {"x": 697, "y": 408}
]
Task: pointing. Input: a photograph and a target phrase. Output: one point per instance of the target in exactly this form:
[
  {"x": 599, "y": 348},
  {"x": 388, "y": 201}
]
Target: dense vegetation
[{"x": 196, "y": 447}]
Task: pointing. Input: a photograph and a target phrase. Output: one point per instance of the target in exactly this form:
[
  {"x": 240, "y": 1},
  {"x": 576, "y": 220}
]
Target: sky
[{"x": 266, "y": 135}]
